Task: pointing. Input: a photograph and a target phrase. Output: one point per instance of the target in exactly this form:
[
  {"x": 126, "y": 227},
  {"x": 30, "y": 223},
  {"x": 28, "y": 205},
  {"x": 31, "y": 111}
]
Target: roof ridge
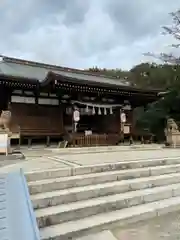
[{"x": 55, "y": 67}]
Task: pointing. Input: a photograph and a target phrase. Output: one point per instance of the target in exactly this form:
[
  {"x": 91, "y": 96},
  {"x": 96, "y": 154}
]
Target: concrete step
[
  {"x": 96, "y": 178},
  {"x": 53, "y": 198},
  {"x": 81, "y": 209},
  {"x": 103, "y": 221},
  {"x": 82, "y": 170}
]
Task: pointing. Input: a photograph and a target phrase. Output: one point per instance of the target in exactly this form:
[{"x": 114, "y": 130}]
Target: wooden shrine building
[{"x": 46, "y": 101}]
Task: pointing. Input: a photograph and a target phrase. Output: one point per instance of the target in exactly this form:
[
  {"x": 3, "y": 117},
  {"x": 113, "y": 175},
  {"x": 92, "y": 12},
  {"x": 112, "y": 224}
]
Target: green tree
[
  {"x": 155, "y": 76},
  {"x": 168, "y": 106},
  {"x": 154, "y": 118},
  {"x": 144, "y": 75}
]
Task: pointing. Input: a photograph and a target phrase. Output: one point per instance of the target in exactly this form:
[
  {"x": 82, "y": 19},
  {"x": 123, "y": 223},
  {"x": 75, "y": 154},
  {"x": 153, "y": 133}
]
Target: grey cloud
[
  {"x": 140, "y": 18},
  {"x": 84, "y": 33}
]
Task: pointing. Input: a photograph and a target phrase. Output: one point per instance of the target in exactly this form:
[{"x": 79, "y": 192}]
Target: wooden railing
[{"x": 95, "y": 140}]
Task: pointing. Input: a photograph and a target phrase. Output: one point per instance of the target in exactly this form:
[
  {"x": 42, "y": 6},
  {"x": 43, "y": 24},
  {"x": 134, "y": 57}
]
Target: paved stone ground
[
  {"x": 166, "y": 228},
  {"x": 39, "y": 158},
  {"x": 116, "y": 156},
  {"x": 105, "y": 235}
]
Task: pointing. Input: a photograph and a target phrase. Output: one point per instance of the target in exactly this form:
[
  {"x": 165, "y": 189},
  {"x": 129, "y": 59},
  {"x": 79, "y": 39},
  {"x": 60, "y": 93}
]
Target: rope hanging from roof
[
  {"x": 89, "y": 104},
  {"x": 98, "y": 106}
]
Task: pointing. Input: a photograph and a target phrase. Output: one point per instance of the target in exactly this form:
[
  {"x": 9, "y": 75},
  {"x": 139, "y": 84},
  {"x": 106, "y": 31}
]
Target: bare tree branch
[
  {"x": 174, "y": 31},
  {"x": 167, "y": 58}
]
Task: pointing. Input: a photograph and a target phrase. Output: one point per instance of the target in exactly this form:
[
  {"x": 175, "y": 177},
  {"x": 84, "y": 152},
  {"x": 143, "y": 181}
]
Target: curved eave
[
  {"x": 21, "y": 80},
  {"x": 163, "y": 93},
  {"x": 54, "y": 76},
  {"x": 48, "y": 79}
]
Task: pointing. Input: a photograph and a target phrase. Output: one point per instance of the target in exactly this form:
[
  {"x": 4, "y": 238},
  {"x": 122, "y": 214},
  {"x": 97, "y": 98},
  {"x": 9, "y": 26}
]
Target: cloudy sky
[{"x": 85, "y": 33}]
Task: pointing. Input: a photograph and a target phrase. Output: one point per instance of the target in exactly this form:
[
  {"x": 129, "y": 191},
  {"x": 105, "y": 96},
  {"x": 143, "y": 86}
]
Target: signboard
[
  {"x": 126, "y": 129},
  {"x": 88, "y": 132},
  {"x": 4, "y": 143}
]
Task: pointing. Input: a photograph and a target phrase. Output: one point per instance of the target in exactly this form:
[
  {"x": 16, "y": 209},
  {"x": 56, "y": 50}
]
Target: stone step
[
  {"x": 98, "y": 149},
  {"x": 81, "y": 209},
  {"x": 96, "y": 178},
  {"x": 103, "y": 221},
  {"x": 82, "y": 170},
  {"x": 53, "y": 198}
]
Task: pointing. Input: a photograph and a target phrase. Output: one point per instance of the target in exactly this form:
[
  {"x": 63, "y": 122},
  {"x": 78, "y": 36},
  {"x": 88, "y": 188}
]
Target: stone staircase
[{"x": 73, "y": 202}]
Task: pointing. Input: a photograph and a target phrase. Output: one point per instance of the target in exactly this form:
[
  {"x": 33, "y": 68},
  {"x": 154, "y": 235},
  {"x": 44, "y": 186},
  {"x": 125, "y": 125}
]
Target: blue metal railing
[{"x": 18, "y": 215}]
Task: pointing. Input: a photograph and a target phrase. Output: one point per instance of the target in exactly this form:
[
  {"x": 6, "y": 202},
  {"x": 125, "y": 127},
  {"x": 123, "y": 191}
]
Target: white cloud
[{"x": 78, "y": 33}]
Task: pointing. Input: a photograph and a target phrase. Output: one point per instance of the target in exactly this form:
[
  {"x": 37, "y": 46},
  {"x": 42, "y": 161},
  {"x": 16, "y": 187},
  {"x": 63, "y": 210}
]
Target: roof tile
[{"x": 40, "y": 71}]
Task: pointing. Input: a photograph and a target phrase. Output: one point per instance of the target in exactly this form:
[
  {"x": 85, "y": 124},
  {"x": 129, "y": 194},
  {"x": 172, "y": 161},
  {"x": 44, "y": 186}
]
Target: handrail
[
  {"x": 20, "y": 219},
  {"x": 30, "y": 207}
]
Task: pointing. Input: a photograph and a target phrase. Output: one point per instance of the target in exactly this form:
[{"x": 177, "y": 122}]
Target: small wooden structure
[{"x": 43, "y": 98}]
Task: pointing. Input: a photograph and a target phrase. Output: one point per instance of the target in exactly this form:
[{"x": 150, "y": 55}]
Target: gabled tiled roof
[{"x": 32, "y": 70}]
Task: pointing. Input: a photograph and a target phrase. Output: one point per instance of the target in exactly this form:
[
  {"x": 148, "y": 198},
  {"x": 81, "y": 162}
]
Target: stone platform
[{"x": 40, "y": 157}]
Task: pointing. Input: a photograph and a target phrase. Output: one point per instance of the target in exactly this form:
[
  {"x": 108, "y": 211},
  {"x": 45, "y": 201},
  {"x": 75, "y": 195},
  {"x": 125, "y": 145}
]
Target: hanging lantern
[
  {"x": 123, "y": 117},
  {"x": 99, "y": 111},
  {"x": 76, "y": 115},
  {"x": 111, "y": 111},
  {"x": 105, "y": 111},
  {"x": 93, "y": 111}
]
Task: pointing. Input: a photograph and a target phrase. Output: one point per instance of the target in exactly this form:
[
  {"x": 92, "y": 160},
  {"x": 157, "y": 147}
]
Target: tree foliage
[
  {"x": 154, "y": 118},
  {"x": 145, "y": 75}
]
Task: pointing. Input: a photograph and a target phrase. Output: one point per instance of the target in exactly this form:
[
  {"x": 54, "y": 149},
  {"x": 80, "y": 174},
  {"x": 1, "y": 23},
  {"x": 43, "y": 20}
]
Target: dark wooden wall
[
  {"x": 4, "y": 97},
  {"x": 32, "y": 116},
  {"x": 111, "y": 123}
]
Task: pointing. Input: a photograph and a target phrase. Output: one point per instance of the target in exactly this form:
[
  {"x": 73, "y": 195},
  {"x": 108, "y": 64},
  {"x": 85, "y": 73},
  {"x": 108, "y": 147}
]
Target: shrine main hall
[{"x": 52, "y": 103}]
